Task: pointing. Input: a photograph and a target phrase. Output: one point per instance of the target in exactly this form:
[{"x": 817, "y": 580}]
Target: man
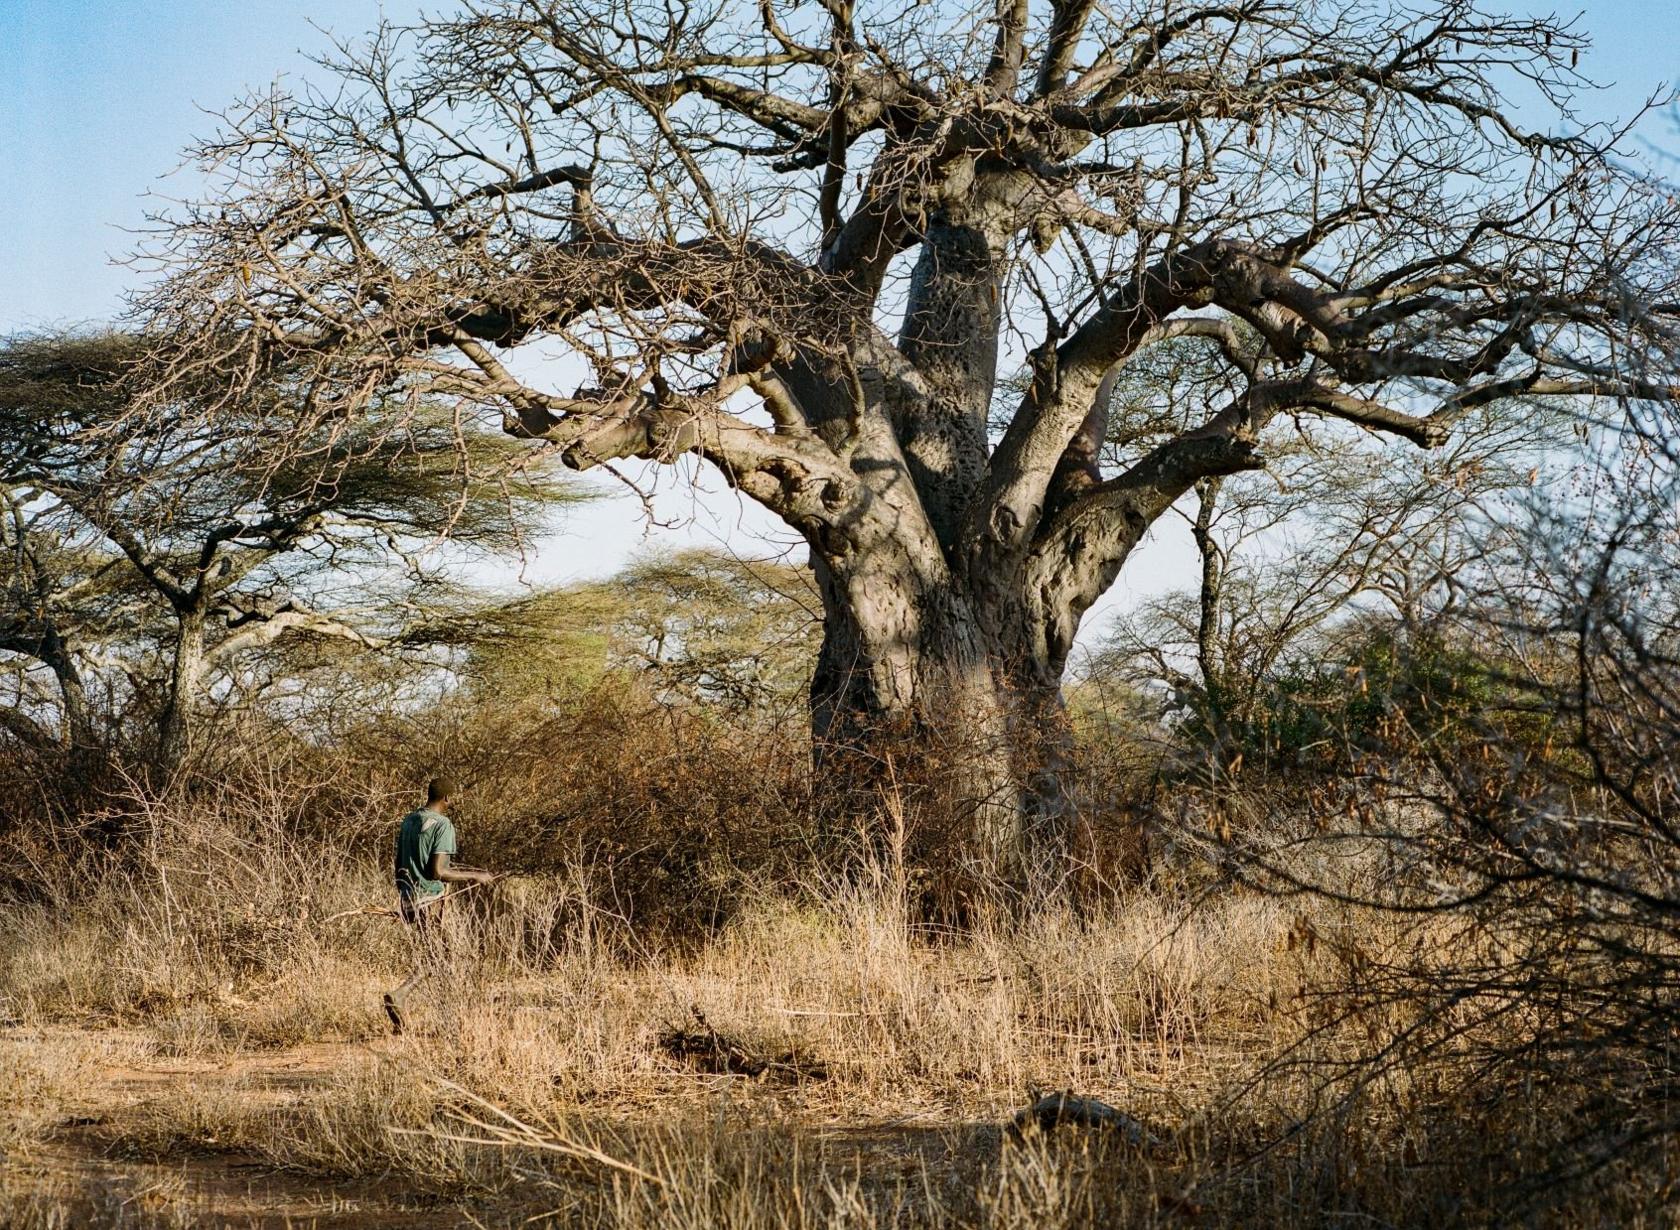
[{"x": 425, "y": 843}]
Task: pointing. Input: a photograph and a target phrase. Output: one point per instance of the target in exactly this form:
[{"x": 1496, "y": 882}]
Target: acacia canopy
[
  {"x": 172, "y": 552},
  {"x": 800, "y": 240}
]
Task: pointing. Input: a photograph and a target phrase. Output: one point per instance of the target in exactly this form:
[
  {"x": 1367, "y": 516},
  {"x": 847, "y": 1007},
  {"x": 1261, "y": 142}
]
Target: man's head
[{"x": 438, "y": 793}]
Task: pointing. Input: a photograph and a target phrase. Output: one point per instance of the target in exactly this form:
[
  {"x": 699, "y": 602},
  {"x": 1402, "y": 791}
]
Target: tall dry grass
[
  {"x": 896, "y": 1051},
  {"x": 216, "y": 933}
]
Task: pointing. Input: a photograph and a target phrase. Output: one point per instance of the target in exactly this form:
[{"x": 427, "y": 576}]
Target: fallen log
[
  {"x": 1052, "y": 1110},
  {"x": 708, "y": 1050}
]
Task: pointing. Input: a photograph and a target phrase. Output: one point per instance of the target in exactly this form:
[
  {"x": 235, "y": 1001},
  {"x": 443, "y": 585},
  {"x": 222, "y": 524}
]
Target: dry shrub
[
  {"x": 659, "y": 815},
  {"x": 41, "y": 1077},
  {"x": 72, "y": 1203},
  {"x": 1205, "y": 1023},
  {"x": 669, "y": 867},
  {"x": 669, "y": 816},
  {"x": 661, "y": 818},
  {"x": 212, "y": 896}
]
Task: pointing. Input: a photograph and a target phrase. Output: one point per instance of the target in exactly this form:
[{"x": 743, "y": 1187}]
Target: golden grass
[{"x": 909, "y": 1051}]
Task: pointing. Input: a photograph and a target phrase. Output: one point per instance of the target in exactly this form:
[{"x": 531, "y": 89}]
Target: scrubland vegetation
[
  {"x": 698, "y": 1005},
  {"x": 868, "y": 885}
]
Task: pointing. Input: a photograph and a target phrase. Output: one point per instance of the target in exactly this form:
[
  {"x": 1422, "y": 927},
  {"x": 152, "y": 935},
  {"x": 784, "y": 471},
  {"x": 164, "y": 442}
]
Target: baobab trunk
[
  {"x": 914, "y": 668},
  {"x": 1074, "y": 202}
]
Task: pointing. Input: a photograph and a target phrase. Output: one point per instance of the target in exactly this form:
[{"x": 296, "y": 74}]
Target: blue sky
[{"x": 97, "y": 100}]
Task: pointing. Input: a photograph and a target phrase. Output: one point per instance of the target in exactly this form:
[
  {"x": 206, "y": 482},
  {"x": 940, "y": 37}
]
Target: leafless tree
[
  {"x": 1514, "y": 800},
  {"x": 799, "y": 241}
]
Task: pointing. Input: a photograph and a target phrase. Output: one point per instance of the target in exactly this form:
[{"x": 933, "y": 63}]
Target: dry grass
[{"x": 904, "y": 1051}]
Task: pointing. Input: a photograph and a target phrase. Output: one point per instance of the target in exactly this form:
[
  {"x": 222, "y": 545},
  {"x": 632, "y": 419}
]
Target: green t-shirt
[{"x": 423, "y": 834}]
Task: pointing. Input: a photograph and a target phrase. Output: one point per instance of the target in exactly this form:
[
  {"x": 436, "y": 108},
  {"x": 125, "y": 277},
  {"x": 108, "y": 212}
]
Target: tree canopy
[
  {"x": 810, "y": 244},
  {"x": 178, "y": 545}
]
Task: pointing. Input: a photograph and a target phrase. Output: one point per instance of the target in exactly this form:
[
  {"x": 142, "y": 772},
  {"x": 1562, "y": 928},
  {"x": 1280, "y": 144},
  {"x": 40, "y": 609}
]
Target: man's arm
[{"x": 442, "y": 869}]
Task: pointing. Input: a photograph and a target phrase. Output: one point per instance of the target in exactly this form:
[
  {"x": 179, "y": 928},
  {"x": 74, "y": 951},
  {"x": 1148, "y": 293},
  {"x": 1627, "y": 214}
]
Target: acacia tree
[
  {"x": 56, "y": 592},
  {"x": 63, "y": 588},
  {"x": 1334, "y": 543},
  {"x": 699, "y": 627},
  {"x": 218, "y": 541},
  {"x": 804, "y": 243}
]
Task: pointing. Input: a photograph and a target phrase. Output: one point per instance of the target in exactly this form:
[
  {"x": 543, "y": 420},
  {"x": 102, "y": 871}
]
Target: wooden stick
[
  {"x": 388, "y": 912},
  {"x": 373, "y": 910}
]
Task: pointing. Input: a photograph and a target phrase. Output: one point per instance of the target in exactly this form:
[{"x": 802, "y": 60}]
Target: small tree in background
[
  {"x": 220, "y": 544},
  {"x": 697, "y": 627},
  {"x": 61, "y": 595},
  {"x": 1311, "y": 573}
]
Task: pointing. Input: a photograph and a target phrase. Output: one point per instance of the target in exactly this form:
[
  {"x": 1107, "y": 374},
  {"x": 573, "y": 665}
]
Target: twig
[
  {"x": 387, "y": 912},
  {"x": 371, "y": 910},
  {"x": 817, "y": 1012},
  {"x": 525, "y": 1136}
]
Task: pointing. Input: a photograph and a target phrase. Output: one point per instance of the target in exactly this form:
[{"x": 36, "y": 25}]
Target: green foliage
[
  {"x": 709, "y": 626},
  {"x": 551, "y": 642},
  {"x": 1322, "y": 710},
  {"x": 696, "y": 627},
  {"x": 271, "y": 531}
]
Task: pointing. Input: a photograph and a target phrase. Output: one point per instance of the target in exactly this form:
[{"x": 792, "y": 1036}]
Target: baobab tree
[{"x": 814, "y": 244}]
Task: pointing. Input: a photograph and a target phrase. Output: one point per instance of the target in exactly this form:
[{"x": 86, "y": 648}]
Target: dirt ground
[
  {"x": 88, "y": 1162},
  {"x": 101, "y": 1162}
]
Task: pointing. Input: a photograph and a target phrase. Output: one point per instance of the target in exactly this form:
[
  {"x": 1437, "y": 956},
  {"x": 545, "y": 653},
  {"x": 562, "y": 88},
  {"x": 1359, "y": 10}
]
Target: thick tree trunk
[
  {"x": 175, "y": 724},
  {"x": 950, "y": 335},
  {"x": 917, "y": 672}
]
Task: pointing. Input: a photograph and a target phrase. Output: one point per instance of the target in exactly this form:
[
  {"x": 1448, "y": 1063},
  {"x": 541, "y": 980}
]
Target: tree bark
[
  {"x": 1211, "y": 597},
  {"x": 46, "y": 645},
  {"x": 175, "y": 724},
  {"x": 956, "y": 563},
  {"x": 950, "y": 335},
  {"x": 907, "y": 695},
  {"x": 78, "y": 724},
  {"x": 927, "y": 683}
]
